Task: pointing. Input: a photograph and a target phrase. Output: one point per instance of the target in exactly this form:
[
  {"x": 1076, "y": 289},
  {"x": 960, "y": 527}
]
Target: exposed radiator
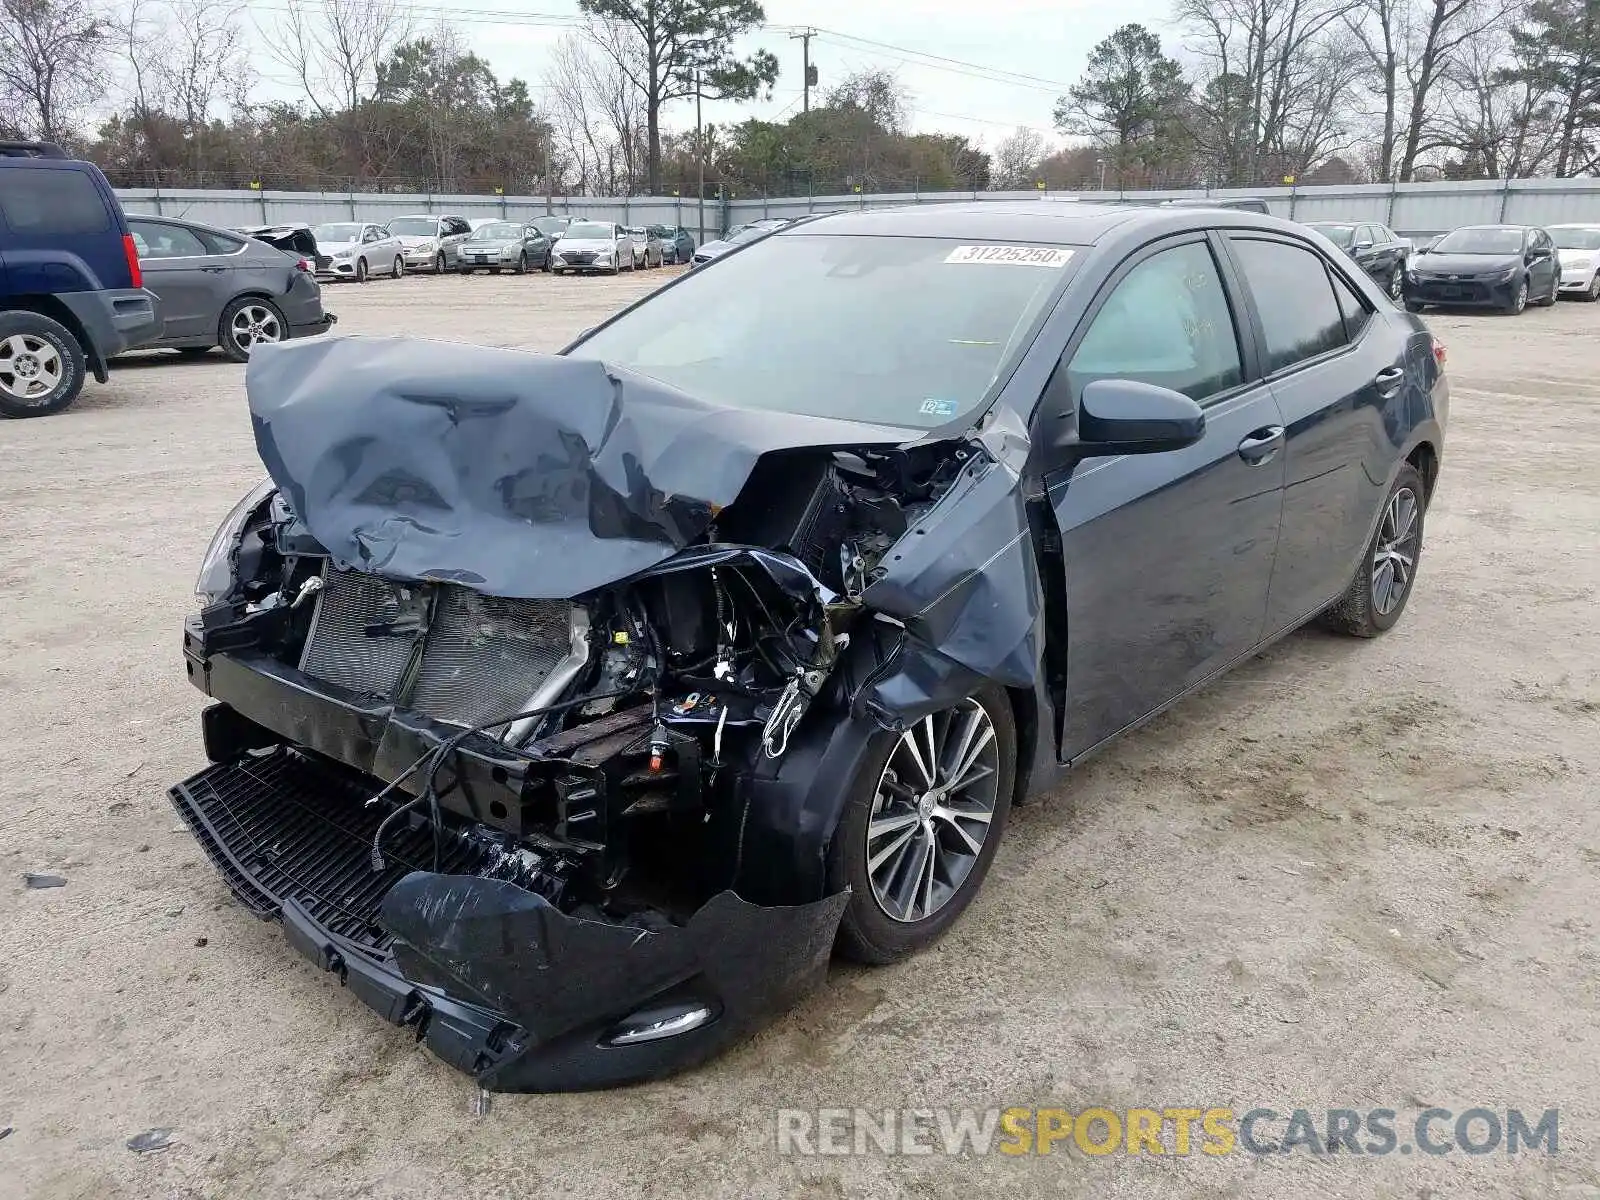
[{"x": 481, "y": 657}]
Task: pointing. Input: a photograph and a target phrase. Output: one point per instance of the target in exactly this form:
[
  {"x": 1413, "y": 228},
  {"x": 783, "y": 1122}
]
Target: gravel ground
[{"x": 1349, "y": 875}]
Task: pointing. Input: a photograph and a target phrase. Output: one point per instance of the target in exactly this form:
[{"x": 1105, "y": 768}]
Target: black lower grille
[
  {"x": 282, "y": 828},
  {"x": 580, "y": 258}
]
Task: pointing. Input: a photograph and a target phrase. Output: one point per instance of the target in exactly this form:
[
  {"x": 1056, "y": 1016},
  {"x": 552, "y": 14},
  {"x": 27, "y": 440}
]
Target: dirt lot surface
[{"x": 1350, "y": 875}]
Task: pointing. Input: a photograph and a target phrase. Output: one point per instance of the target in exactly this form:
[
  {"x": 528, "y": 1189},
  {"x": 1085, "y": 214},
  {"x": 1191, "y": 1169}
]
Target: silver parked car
[
  {"x": 358, "y": 250},
  {"x": 217, "y": 288},
  {"x": 648, "y": 249},
  {"x": 737, "y": 236},
  {"x": 594, "y": 246},
  {"x": 505, "y": 245},
  {"x": 431, "y": 243}
]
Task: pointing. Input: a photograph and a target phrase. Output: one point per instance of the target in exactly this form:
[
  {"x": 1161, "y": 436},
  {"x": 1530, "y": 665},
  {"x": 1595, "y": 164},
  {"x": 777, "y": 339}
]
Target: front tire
[
  {"x": 1593, "y": 291},
  {"x": 1378, "y": 594},
  {"x": 41, "y": 365},
  {"x": 1519, "y": 298},
  {"x": 361, "y": 270},
  {"x": 438, "y": 263},
  {"x": 399, "y": 271},
  {"x": 522, "y": 263},
  {"x": 921, "y": 826}
]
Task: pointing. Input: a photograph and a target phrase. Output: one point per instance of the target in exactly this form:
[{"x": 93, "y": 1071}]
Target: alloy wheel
[
  {"x": 253, "y": 325},
  {"x": 1520, "y": 301},
  {"x": 932, "y": 810},
  {"x": 399, "y": 267},
  {"x": 1396, "y": 284},
  {"x": 30, "y": 368},
  {"x": 1394, "y": 558}
]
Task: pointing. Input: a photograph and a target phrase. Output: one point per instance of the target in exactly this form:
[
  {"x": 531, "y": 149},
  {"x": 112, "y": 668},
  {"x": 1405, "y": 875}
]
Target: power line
[{"x": 955, "y": 65}]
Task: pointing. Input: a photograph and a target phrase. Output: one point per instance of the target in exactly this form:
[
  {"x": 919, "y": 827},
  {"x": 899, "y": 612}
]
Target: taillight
[
  {"x": 132, "y": 253},
  {"x": 1438, "y": 353}
]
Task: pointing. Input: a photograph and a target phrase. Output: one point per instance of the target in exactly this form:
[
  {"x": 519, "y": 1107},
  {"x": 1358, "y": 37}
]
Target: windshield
[
  {"x": 1481, "y": 239},
  {"x": 747, "y": 233},
  {"x": 497, "y": 231},
  {"x": 414, "y": 226},
  {"x": 1339, "y": 235},
  {"x": 897, "y": 330},
  {"x": 590, "y": 229},
  {"x": 337, "y": 233},
  {"x": 1576, "y": 239}
]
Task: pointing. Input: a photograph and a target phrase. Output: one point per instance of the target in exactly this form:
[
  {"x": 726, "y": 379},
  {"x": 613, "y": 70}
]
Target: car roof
[{"x": 1079, "y": 224}]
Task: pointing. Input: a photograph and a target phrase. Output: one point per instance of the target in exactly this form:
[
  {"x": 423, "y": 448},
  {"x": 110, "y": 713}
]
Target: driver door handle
[
  {"x": 1262, "y": 445},
  {"x": 1388, "y": 380},
  {"x": 214, "y": 270}
]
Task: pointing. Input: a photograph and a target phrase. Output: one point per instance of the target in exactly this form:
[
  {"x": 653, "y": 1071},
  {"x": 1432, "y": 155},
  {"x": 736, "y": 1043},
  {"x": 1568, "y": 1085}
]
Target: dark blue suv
[{"x": 71, "y": 295}]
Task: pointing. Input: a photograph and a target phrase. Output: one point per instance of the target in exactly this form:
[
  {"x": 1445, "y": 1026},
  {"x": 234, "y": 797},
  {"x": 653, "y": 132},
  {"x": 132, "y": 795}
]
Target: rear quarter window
[
  {"x": 218, "y": 243},
  {"x": 48, "y": 202}
]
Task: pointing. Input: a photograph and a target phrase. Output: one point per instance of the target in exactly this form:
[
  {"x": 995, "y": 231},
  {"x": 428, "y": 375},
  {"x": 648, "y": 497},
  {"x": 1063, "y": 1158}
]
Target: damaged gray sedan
[{"x": 575, "y": 709}]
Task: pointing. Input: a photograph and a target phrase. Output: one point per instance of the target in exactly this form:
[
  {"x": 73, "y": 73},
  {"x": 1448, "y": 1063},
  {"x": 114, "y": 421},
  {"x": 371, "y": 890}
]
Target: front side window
[
  {"x": 155, "y": 240},
  {"x": 905, "y": 331},
  {"x": 1299, "y": 312},
  {"x": 1168, "y": 323}
]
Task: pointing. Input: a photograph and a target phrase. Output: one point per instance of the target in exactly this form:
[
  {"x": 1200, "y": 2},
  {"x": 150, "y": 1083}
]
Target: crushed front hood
[{"x": 520, "y": 475}]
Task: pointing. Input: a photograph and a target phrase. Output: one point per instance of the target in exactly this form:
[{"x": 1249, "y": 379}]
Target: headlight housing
[
  {"x": 217, "y": 568},
  {"x": 1508, "y": 274},
  {"x": 430, "y": 244}
]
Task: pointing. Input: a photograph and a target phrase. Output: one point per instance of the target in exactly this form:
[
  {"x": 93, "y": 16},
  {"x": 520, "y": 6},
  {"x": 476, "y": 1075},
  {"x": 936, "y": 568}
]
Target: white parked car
[
  {"x": 432, "y": 243},
  {"x": 357, "y": 250},
  {"x": 599, "y": 246},
  {"x": 1578, "y": 248}
]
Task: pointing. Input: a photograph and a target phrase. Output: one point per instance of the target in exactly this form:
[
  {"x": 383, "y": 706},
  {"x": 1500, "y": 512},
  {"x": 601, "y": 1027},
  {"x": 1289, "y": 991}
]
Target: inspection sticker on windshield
[
  {"x": 938, "y": 408},
  {"x": 1011, "y": 256}
]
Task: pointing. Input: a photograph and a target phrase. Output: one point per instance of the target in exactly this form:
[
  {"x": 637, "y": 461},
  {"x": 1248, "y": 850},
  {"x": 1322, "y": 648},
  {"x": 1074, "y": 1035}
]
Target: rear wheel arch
[
  {"x": 1425, "y": 458},
  {"x": 49, "y": 306}
]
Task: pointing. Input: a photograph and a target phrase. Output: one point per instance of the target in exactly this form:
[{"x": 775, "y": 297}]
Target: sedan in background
[
  {"x": 1578, "y": 251},
  {"x": 220, "y": 289},
  {"x": 1485, "y": 266},
  {"x": 588, "y": 247},
  {"x": 736, "y": 237},
  {"x": 1380, "y": 252},
  {"x": 358, "y": 250},
  {"x": 677, "y": 246},
  {"x": 647, "y": 247},
  {"x": 504, "y": 246},
  {"x": 431, "y": 243}
]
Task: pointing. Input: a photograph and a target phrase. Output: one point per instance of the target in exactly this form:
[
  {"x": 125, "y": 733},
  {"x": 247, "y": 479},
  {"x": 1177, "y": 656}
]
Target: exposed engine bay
[{"x": 458, "y": 699}]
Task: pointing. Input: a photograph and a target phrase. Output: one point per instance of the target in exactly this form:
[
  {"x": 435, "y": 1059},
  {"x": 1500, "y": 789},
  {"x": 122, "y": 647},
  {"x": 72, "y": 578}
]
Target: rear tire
[
  {"x": 248, "y": 322},
  {"x": 867, "y": 932},
  {"x": 1374, "y": 603},
  {"x": 41, "y": 365}
]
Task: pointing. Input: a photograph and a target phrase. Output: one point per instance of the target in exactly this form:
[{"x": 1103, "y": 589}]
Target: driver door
[{"x": 1168, "y": 557}]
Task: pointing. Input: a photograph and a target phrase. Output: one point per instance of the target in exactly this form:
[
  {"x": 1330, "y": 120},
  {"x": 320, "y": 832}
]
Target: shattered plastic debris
[
  {"x": 150, "y": 1141},
  {"x": 34, "y": 880}
]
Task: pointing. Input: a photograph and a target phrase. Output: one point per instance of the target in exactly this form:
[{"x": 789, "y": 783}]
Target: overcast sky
[{"x": 1044, "y": 39}]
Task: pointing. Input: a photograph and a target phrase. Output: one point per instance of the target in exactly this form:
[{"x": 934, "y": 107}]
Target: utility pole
[
  {"x": 700, "y": 156},
  {"x": 810, "y": 76}
]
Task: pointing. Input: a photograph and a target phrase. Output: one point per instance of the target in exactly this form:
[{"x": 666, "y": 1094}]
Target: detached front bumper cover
[{"x": 496, "y": 980}]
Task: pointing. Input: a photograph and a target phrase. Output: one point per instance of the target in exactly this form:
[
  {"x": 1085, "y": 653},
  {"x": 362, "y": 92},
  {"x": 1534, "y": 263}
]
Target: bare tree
[
  {"x": 1498, "y": 121},
  {"x": 1258, "y": 56},
  {"x": 54, "y": 59},
  {"x": 1410, "y": 47},
  {"x": 1017, "y": 159},
  {"x": 598, "y": 113},
  {"x": 334, "y": 47}
]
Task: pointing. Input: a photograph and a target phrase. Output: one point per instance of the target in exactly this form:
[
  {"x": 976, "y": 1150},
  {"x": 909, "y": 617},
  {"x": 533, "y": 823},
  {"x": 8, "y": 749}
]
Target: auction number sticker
[{"x": 1012, "y": 256}]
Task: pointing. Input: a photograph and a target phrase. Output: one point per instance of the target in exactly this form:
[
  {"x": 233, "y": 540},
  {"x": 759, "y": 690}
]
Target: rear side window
[
  {"x": 42, "y": 202},
  {"x": 218, "y": 243},
  {"x": 153, "y": 239},
  {"x": 1351, "y": 307},
  {"x": 1300, "y": 314},
  {"x": 1168, "y": 323}
]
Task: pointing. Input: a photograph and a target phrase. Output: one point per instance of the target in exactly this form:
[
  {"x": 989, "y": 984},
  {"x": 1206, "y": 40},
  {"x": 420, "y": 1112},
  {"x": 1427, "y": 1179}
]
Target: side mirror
[
  {"x": 1360, "y": 246},
  {"x": 1124, "y": 416}
]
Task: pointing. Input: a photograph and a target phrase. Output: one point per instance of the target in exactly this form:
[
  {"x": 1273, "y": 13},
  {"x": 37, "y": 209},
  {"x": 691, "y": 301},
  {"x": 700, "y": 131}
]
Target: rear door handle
[
  {"x": 1388, "y": 380},
  {"x": 214, "y": 270},
  {"x": 1260, "y": 446}
]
